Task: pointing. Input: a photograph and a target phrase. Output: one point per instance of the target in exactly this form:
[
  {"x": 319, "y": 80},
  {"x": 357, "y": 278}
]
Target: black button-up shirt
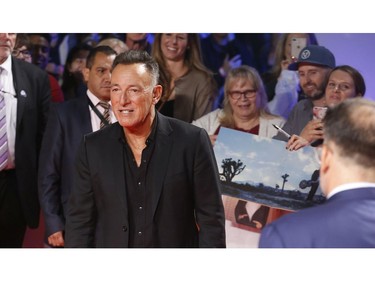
[{"x": 138, "y": 195}]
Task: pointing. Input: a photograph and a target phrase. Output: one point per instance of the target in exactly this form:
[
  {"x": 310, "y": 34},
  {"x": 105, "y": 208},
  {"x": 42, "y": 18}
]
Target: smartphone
[
  {"x": 297, "y": 45},
  {"x": 319, "y": 112}
]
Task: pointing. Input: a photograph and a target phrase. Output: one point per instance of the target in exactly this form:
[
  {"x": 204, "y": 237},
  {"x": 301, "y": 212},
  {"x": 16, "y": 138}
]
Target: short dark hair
[
  {"x": 139, "y": 57},
  {"x": 359, "y": 81},
  {"x": 100, "y": 49},
  {"x": 46, "y": 36},
  {"x": 350, "y": 125}
]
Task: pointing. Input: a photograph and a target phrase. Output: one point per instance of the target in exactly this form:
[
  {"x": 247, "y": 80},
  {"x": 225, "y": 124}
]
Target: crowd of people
[{"x": 112, "y": 136}]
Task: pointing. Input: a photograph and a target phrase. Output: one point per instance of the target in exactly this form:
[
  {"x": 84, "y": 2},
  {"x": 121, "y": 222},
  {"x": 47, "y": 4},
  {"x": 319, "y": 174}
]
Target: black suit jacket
[
  {"x": 183, "y": 185},
  {"x": 67, "y": 123},
  {"x": 33, "y": 100}
]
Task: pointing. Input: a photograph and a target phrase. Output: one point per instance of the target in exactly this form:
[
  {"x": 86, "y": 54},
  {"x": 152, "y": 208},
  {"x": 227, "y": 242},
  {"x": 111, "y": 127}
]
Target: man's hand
[
  {"x": 313, "y": 131},
  {"x": 56, "y": 239},
  {"x": 213, "y": 139}
]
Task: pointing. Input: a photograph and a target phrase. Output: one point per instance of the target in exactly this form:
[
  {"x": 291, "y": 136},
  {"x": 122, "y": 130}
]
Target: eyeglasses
[
  {"x": 24, "y": 53},
  {"x": 236, "y": 95},
  {"x": 340, "y": 87}
]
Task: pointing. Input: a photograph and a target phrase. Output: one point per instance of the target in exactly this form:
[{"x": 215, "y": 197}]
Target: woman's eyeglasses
[{"x": 236, "y": 95}]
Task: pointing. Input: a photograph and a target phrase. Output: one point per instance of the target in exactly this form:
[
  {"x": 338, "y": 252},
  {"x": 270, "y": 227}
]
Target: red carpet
[{"x": 34, "y": 237}]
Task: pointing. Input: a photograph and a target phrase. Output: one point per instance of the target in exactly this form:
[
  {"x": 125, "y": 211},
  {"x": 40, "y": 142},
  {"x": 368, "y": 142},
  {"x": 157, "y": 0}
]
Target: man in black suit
[
  {"x": 67, "y": 124},
  {"x": 147, "y": 180},
  {"x": 26, "y": 93}
]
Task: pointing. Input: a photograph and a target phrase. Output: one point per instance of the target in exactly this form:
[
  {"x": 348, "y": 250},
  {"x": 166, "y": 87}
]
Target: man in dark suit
[
  {"x": 148, "y": 180},
  {"x": 26, "y": 92},
  {"x": 67, "y": 124},
  {"x": 347, "y": 175}
]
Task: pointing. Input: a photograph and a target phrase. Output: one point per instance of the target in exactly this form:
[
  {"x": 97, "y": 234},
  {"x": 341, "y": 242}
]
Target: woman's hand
[{"x": 296, "y": 142}]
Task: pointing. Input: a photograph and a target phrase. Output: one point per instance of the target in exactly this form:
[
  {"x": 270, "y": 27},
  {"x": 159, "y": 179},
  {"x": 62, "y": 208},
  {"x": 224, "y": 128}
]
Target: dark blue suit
[
  {"x": 67, "y": 124},
  {"x": 346, "y": 220}
]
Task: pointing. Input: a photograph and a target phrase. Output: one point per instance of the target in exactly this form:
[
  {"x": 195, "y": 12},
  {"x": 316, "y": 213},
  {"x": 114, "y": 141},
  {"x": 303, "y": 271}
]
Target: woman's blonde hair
[{"x": 243, "y": 72}]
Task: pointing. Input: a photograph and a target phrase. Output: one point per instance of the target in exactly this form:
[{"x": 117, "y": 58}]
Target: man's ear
[
  {"x": 326, "y": 158},
  {"x": 156, "y": 94},
  {"x": 86, "y": 73}
]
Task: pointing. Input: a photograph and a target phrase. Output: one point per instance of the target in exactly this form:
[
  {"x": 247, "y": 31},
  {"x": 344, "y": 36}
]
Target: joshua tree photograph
[{"x": 261, "y": 170}]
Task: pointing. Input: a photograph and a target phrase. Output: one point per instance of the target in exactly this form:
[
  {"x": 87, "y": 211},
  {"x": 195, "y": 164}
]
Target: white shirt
[
  {"x": 11, "y": 108},
  {"x": 95, "y": 120},
  {"x": 350, "y": 186}
]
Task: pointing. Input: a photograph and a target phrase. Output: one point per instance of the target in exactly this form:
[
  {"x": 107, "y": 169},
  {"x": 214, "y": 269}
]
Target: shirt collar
[
  {"x": 94, "y": 99},
  {"x": 350, "y": 186},
  {"x": 7, "y": 64}
]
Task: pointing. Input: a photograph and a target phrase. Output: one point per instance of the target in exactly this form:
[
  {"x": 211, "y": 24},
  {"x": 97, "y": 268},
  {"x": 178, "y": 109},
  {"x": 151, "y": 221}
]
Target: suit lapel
[
  {"x": 161, "y": 157},
  {"x": 84, "y": 114},
  {"x": 116, "y": 156},
  {"x": 20, "y": 88}
]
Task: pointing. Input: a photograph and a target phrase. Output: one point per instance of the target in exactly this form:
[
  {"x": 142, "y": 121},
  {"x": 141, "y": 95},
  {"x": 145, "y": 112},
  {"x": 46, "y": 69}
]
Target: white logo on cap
[{"x": 305, "y": 54}]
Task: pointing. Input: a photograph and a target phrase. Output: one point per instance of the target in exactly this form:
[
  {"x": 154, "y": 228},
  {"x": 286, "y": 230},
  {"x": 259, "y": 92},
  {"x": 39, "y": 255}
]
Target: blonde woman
[{"x": 244, "y": 109}]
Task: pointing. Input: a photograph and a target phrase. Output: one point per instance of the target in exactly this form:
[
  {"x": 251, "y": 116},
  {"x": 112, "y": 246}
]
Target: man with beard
[{"x": 313, "y": 66}]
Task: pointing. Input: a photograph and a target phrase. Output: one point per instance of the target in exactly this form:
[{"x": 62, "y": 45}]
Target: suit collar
[
  {"x": 19, "y": 87},
  {"x": 161, "y": 158},
  {"x": 354, "y": 194}
]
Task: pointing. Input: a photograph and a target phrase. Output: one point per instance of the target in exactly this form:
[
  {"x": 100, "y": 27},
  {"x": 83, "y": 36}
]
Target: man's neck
[{"x": 319, "y": 102}]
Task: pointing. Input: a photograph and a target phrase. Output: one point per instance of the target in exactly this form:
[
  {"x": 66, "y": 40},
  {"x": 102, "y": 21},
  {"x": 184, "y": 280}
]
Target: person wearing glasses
[
  {"x": 146, "y": 181},
  {"x": 344, "y": 82},
  {"x": 244, "y": 109},
  {"x": 313, "y": 67},
  {"x": 22, "y": 48}
]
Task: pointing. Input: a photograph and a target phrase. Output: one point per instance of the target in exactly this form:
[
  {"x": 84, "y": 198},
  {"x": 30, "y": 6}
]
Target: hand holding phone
[
  {"x": 319, "y": 112},
  {"x": 297, "y": 45}
]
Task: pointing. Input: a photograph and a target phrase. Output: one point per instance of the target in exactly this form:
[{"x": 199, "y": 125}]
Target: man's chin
[{"x": 316, "y": 95}]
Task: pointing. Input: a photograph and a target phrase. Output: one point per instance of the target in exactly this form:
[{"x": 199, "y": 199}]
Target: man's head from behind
[
  {"x": 348, "y": 153},
  {"x": 313, "y": 65}
]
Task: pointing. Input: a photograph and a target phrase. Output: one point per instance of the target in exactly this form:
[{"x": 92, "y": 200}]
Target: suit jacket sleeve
[
  {"x": 208, "y": 204},
  {"x": 81, "y": 214},
  {"x": 271, "y": 238},
  {"x": 50, "y": 174}
]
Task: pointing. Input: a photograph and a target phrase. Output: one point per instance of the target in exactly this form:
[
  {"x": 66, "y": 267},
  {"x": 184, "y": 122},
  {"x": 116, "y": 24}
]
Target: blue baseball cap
[{"x": 314, "y": 54}]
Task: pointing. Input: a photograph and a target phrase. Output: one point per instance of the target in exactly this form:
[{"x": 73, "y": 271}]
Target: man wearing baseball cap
[{"x": 313, "y": 66}]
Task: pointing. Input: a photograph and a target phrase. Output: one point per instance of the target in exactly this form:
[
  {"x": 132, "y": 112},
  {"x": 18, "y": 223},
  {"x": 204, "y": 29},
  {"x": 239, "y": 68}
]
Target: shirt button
[
  {"x": 139, "y": 183},
  {"x": 140, "y": 208},
  {"x": 139, "y": 233},
  {"x": 124, "y": 228}
]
